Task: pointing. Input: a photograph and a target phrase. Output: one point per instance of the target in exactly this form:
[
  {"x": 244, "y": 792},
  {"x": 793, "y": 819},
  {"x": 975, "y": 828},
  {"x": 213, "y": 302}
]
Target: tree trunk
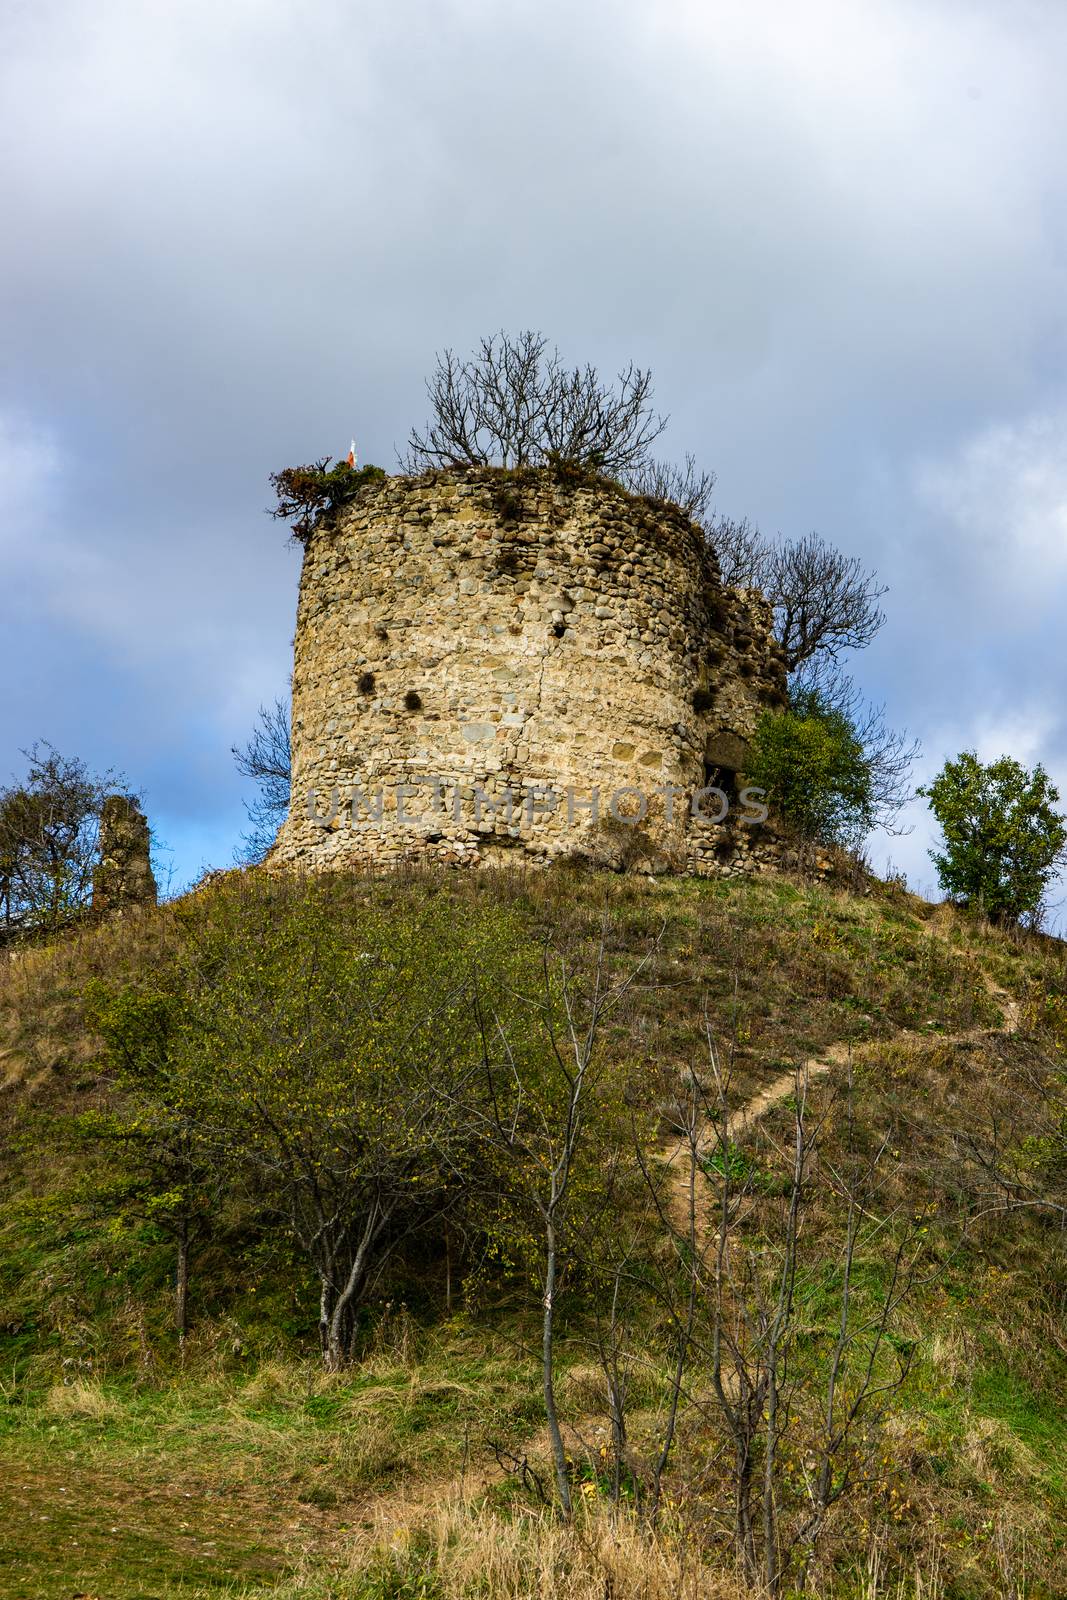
[
  {"x": 325, "y": 1291},
  {"x": 338, "y": 1327},
  {"x": 743, "y": 1500},
  {"x": 448, "y": 1274},
  {"x": 771, "y": 1574},
  {"x": 181, "y": 1282},
  {"x": 547, "y": 1332},
  {"x": 339, "y": 1340}
]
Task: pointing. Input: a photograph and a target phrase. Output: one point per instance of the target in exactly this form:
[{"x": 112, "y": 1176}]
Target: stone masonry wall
[
  {"x": 471, "y": 640},
  {"x": 123, "y": 873}
]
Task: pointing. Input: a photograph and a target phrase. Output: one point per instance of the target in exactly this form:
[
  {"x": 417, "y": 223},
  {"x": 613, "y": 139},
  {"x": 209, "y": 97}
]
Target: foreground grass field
[{"x": 135, "y": 1465}]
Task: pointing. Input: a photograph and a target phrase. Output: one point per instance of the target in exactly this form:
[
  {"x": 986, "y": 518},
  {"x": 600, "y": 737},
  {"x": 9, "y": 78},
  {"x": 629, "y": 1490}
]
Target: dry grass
[
  {"x": 456, "y": 1551},
  {"x": 42, "y": 1030},
  {"x": 82, "y": 1400}
]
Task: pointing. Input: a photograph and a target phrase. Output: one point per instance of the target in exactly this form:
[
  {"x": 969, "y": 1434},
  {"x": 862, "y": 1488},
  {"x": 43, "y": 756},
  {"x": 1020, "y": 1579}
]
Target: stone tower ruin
[
  {"x": 123, "y": 874},
  {"x": 497, "y": 666}
]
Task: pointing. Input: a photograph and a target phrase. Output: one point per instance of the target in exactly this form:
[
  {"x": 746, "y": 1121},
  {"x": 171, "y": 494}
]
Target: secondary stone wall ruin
[
  {"x": 123, "y": 874},
  {"x": 491, "y": 666}
]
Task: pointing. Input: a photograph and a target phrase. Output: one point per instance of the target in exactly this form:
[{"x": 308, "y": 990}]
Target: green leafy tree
[
  {"x": 326, "y": 1063},
  {"x": 166, "y": 1176},
  {"x": 811, "y": 761},
  {"x": 1003, "y": 838},
  {"x": 49, "y": 830}
]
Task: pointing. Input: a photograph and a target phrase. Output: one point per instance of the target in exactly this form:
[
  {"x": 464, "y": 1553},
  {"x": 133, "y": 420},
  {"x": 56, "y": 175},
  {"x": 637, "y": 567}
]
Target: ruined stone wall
[
  {"x": 532, "y": 645},
  {"x": 123, "y": 873}
]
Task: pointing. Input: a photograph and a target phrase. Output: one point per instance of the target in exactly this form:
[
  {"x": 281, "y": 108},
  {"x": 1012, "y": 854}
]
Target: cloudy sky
[{"x": 237, "y": 233}]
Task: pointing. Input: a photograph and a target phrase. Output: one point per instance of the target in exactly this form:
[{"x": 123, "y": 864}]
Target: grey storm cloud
[{"x": 237, "y": 234}]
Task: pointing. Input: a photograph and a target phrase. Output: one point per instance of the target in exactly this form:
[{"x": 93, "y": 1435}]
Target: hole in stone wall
[
  {"x": 507, "y": 503},
  {"x": 413, "y": 700},
  {"x": 703, "y": 699},
  {"x": 715, "y": 605},
  {"x": 381, "y": 631},
  {"x": 365, "y": 683},
  {"x": 724, "y": 778}
]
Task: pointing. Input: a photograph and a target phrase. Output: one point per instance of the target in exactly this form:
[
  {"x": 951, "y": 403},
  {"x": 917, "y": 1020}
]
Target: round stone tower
[{"x": 493, "y": 665}]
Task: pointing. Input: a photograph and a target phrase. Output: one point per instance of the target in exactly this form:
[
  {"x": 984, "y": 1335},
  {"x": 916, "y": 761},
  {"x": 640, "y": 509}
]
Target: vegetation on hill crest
[{"x": 934, "y": 1049}]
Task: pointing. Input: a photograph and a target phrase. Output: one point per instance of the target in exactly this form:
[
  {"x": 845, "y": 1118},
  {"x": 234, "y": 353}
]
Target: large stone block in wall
[{"x": 726, "y": 750}]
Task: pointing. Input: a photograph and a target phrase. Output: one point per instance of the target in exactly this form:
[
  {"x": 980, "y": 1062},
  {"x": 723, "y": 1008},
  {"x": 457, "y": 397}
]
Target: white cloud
[
  {"x": 1004, "y": 490},
  {"x": 1026, "y": 734},
  {"x": 29, "y": 471},
  {"x": 833, "y": 230}
]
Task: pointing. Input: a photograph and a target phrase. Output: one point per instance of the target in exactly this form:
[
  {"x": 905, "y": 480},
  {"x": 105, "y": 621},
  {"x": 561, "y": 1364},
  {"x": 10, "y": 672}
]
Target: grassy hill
[{"x": 917, "y": 1055}]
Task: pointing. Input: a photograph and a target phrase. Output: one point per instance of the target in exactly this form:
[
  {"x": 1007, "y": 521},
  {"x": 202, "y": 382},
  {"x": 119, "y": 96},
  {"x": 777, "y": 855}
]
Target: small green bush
[
  {"x": 304, "y": 493},
  {"x": 811, "y": 762}
]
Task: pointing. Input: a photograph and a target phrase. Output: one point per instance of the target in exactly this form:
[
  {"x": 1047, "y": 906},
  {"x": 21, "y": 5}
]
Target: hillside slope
[{"x": 925, "y": 1050}]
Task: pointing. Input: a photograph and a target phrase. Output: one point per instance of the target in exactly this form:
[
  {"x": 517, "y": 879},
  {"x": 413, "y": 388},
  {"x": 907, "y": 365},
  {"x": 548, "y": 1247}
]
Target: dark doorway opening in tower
[
  {"x": 725, "y": 779},
  {"x": 725, "y": 758}
]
